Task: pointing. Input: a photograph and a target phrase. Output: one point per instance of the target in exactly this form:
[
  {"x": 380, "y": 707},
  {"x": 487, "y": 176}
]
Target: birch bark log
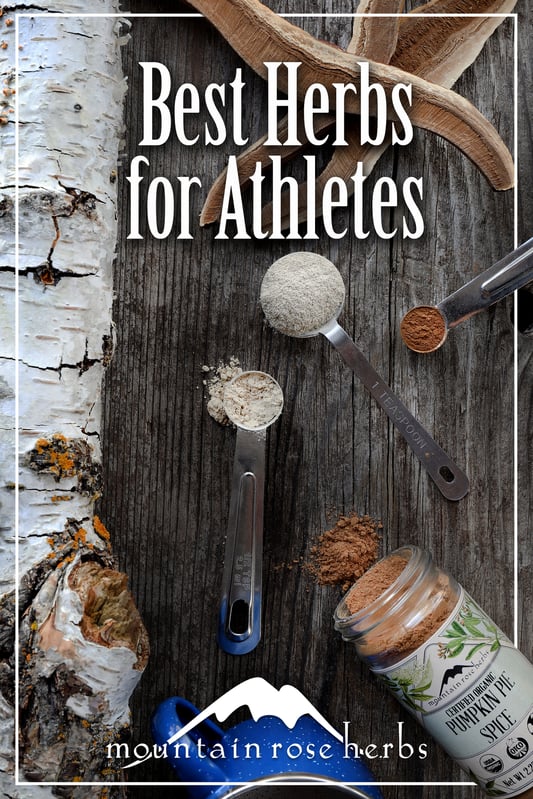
[{"x": 82, "y": 644}]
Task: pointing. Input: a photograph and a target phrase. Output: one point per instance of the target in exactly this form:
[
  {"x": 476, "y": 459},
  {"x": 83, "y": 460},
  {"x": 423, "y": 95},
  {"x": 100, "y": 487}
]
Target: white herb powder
[
  {"x": 301, "y": 292},
  {"x": 253, "y": 400},
  {"x": 219, "y": 378}
]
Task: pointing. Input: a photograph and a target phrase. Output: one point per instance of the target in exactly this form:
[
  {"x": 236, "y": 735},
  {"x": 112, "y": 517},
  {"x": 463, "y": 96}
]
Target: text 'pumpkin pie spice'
[{"x": 448, "y": 663}]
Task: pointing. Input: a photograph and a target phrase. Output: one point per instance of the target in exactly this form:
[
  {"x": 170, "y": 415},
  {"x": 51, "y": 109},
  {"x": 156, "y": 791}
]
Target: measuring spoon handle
[
  {"x": 504, "y": 277},
  {"x": 239, "y": 625},
  {"x": 450, "y": 480}
]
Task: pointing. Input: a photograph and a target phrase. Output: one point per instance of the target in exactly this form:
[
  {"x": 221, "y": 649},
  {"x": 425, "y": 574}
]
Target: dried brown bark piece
[
  {"x": 376, "y": 36},
  {"x": 439, "y": 49},
  {"x": 258, "y": 35},
  {"x": 258, "y": 152},
  {"x": 364, "y": 30}
]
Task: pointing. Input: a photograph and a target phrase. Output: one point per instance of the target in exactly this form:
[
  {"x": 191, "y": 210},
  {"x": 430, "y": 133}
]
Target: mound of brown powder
[{"x": 342, "y": 554}]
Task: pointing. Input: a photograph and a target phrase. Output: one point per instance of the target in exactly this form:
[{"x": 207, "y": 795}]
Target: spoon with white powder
[
  {"x": 253, "y": 401},
  {"x": 302, "y": 294}
]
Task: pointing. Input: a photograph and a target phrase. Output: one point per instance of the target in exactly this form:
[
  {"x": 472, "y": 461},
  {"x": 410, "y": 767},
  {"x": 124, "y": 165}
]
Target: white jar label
[{"x": 473, "y": 691}]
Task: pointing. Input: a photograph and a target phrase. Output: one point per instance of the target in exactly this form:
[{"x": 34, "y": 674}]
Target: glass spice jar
[{"x": 448, "y": 663}]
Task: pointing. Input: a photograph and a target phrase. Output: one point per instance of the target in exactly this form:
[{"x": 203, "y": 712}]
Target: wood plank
[{"x": 183, "y": 304}]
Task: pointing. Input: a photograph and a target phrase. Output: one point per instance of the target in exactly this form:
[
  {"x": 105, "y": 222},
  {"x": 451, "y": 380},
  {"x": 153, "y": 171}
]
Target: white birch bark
[{"x": 83, "y": 645}]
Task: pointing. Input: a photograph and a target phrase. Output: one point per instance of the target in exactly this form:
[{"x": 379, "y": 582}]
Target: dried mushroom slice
[
  {"x": 258, "y": 35},
  {"x": 436, "y": 48}
]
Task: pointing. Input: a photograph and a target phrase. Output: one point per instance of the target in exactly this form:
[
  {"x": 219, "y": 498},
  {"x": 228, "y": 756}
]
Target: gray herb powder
[
  {"x": 301, "y": 292},
  {"x": 253, "y": 400},
  {"x": 219, "y": 378}
]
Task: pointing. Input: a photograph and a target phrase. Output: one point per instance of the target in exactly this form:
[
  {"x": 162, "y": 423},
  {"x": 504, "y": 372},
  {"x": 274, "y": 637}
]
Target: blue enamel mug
[{"x": 273, "y": 760}]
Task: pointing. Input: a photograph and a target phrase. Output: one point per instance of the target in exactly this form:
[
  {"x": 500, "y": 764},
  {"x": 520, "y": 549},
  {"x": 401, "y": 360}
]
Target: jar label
[{"x": 473, "y": 691}]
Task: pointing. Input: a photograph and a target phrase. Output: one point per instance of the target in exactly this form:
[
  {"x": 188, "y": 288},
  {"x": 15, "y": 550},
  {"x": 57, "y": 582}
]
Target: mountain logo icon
[{"x": 287, "y": 704}]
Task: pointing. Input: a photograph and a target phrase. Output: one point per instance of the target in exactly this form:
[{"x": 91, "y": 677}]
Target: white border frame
[{"x": 292, "y": 15}]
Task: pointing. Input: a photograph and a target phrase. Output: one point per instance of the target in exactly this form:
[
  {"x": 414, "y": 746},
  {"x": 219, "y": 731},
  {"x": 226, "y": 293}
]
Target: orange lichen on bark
[
  {"x": 66, "y": 561},
  {"x": 80, "y": 538},
  {"x": 100, "y": 528},
  {"x": 64, "y": 457},
  {"x": 54, "y": 456},
  {"x": 67, "y": 543}
]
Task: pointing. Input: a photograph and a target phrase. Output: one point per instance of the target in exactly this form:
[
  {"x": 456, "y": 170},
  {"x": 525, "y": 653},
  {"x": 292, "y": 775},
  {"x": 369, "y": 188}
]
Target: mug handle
[{"x": 184, "y": 752}]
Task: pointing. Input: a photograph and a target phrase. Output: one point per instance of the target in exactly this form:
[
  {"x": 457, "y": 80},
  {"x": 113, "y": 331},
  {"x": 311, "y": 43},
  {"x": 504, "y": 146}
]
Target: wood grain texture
[
  {"x": 525, "y": 349},
  {"x": 182, "y": 304}
]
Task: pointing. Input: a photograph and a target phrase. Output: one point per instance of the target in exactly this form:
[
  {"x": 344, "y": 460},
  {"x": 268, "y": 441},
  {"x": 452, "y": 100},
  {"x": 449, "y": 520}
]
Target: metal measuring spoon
[
  {"x": 424, "y": 328},
  {"x": 239, "y": 624},
  {"x": 306, "y": 279}
]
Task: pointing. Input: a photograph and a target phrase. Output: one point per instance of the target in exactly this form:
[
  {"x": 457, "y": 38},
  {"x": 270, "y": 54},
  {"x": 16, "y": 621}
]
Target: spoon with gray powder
[
  {"x": 302, "y": 294},
  {"x": 253, "y": 401}
]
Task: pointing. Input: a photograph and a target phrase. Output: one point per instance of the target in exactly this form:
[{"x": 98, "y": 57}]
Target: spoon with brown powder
[
  {"x": 302, "y": 294},
  {"x": 424, "y": 328}
]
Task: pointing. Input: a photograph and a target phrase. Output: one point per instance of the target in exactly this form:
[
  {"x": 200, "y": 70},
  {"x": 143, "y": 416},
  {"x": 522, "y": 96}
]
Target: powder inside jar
[
  {"x": 423, "y": 328},
  {"x": 404, "y": 626},
  {"x": 253, "y": 400},
  {"x": 374, "y": 582},
  {"x": 301, "y": 292}
]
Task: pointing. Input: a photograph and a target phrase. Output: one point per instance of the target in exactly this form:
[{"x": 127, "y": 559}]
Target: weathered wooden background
[{"x": 184, "y": 304}]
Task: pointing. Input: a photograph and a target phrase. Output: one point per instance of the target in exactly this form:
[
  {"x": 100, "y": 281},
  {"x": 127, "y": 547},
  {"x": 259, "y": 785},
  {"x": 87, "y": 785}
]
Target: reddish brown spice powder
[
  {"x": 423, "y": 328},
  {"x": 342, "y": 554},
  {"x": 395, "y": 637},
  {"x": 372, "y": 584}
]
